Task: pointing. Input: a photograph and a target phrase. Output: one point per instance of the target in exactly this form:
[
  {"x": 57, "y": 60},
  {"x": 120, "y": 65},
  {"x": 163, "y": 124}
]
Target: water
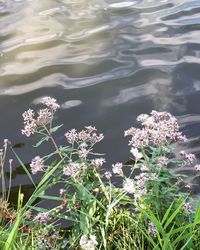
[{"x": 105, "y": 62}]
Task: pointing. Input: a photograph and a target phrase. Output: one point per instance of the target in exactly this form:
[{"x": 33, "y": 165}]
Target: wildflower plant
[
  {"x": 148, "y": 209},
  {"x": 91, "y": 201}
]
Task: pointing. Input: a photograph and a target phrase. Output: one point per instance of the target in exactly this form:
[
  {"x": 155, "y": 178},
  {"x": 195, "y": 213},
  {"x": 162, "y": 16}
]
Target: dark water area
[{"x": 105, "y": 62}]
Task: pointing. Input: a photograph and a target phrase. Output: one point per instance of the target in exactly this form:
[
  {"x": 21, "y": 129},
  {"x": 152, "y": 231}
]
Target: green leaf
[
  {"x": 54, "y": 129},
  {"x": 173, "y": 215},
  {"x": 24, "y": 167},
  {"x": 46, "y": 138}
]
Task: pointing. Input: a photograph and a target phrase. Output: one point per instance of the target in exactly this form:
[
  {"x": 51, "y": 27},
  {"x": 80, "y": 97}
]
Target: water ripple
[{"x": 102, "y": 59}]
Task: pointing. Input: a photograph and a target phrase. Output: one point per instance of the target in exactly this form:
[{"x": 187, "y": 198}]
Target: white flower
[
  {"x": 144, "y": 167},
  {"x": 129, "y": 186},
  {"x": 88, "y": 243},
  {"x": 108, "y": 175},
  {"x": 117, "y": 168},
  {"x": 152, "y": 229},
  {"x": 136, "y": 154},
  {"x": 197, "y": 167}
]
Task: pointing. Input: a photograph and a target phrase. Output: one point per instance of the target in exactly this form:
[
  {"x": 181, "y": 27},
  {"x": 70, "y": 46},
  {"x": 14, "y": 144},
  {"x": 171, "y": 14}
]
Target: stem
[{"x": 53, "y": 141}]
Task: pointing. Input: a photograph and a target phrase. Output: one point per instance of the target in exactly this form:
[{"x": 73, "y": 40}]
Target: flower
[
  {"x": 141, "y": 179},
  {"x": 43, "y": 218},
  {"x": 187, "y": 206},
  {"x": 158, "y": 128},
  {"x": 190, "y": 158},
  {"x": 162, "y": 161},
  {"x": 90, "y": 129},
  {"x": 50, "y": 103},
  {"x": 129, "y": 186},
  {"x": 37, "y": 164},
  {"x": 71, "y": 136},
  {"x": 98, "y": 162},
  {"x": 30, "y": 124},
  {"x": 108, "y": 175},
  {"x": 83, "y": 153},
  {"x": 43, "y": 116},
  {"x": 197, "y": 167},
  {"x": 88, "y": 243},
  {"x": 136, "y": 154},
  {"x": 144, "y": 167},
  {"x": 117, "y": 168},
  {"x": 73, "y": 168},
  {"x": 62, "y": 191},
  {"x": 152, "y": 229},
  {"x": 84, "y": 137}
]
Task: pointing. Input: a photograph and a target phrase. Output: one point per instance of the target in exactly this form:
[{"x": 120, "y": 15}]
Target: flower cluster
[
  {"x": 162, "y": 161},
  {"x": 37, "y": 165},
  {"x": 73, "y": 168},
  {"x": 86, "y": 136},
  {"x": 197, "y": 167},
  {"x": 140, "y": 183},
  {"x": 31, "y": 122},
  {"x": 98, "y": 162},
  {"x": 84, "y": 142},
  {"x": 137, "y": 155},
  {"x": 190, "y": 158},
  {"x": 88, "y": 243},
  {"x": 50, "y": 103},
  {"x": 108, "y": 175},
  {"x": 152, "y": 229},
  {"x": 43, "y": 218},
  {"x": 158, "y": 128},
  {"x": 129, "y": 186},
  {"x": 117, "y": 168},
  {"x": 187, "y": 206}
]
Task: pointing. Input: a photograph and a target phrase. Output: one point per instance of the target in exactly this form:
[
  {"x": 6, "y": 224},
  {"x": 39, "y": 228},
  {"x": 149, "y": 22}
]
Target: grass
[{"x": 145, "y": 211}]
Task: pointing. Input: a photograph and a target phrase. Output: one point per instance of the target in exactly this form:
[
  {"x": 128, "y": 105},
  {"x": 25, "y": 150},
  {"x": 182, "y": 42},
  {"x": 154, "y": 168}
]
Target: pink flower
[
  {"x": 190, "y": 158},
  {"x": 37, "y": 164},
  {"x": 187, "y": 206},
  {"x": 98, "y": 162},
  {"x": 162, "y": 161},
  {"x": 43, "y": 218},
  {"x": 30, "y": 124},
  {"x": 73, "y": 168},
  {"x": 50, "y": 103},
  {"x": 83, "y": 153},
  {"x": 43, "y": 116},
  {"x": 71, "y": 136},
  {"x": 159, "y": 128}
]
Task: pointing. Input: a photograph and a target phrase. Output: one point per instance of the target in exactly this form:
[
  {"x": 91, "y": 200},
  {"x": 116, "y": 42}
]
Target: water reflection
[{"x": 105, "y": 62}]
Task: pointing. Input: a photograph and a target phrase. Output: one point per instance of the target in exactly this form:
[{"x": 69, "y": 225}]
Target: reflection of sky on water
[{"x": 105, "y": 62}]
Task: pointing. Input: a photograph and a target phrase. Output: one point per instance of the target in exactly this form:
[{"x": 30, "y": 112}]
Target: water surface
[{"x": 104, "y": 61}]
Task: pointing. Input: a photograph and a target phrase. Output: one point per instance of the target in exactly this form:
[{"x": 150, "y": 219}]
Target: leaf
[
  {"x": 54, "y": 129},
  {"x": 50, "y": 197},
  {"x": 46, "y": 138},
  {"x": 24, "y": 167},
  {"x": 9, "y": 244},
  {"x": 173, "y": 215}
]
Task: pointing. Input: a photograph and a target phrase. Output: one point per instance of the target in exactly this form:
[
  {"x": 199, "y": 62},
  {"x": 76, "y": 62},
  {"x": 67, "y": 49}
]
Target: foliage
[{"x": 148, "y": 209}]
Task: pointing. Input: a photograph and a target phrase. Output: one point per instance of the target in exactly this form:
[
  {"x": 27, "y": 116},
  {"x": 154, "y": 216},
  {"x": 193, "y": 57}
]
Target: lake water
[{"x": 105, "y": 62}]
